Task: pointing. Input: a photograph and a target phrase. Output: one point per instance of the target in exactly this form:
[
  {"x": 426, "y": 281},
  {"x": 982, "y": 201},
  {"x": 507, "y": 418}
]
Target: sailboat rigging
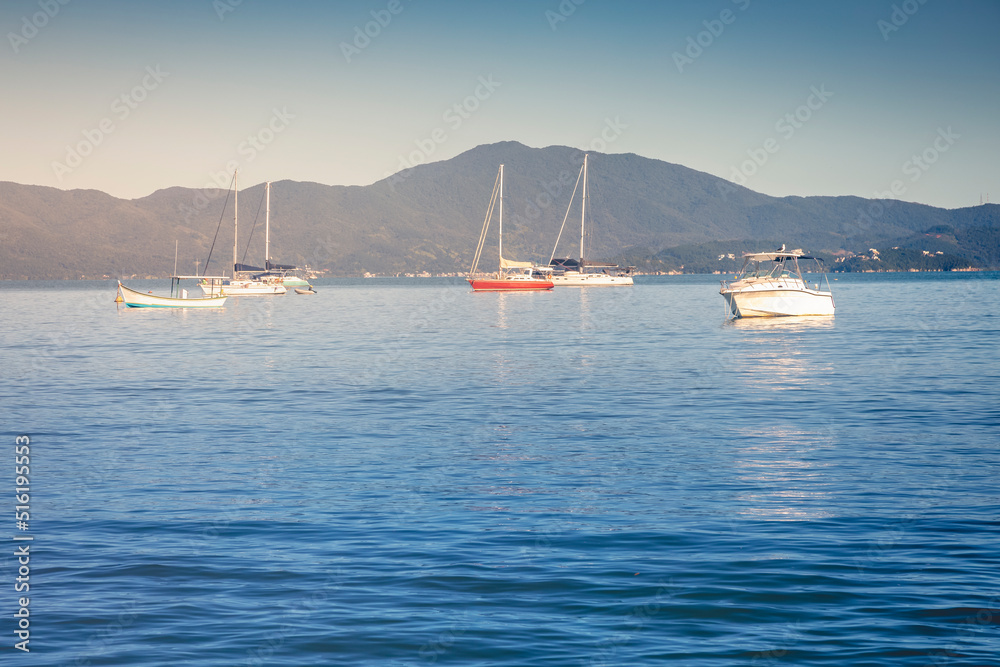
[{"x": 247, "y": 280}]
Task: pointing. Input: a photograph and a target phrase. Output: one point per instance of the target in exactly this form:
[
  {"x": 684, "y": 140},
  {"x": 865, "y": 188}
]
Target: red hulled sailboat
[{"x": 510, "y": 275}]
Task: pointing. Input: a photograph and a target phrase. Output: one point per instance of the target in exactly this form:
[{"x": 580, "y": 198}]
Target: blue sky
[{"x": 789, "y": 98}]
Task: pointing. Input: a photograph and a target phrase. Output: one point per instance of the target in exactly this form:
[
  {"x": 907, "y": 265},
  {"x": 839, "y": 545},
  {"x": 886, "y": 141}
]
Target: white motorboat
[
  {"x": 770, "y": 284},
  {"x": 583, "y": 273}
]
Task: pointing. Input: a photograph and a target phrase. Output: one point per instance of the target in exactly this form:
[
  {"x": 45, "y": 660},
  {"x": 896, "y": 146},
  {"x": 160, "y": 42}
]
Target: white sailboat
[
  {"x": 246, "y": 280},
  {"x": 286, "y": 272},
  {"x": 583, "y": 273}
]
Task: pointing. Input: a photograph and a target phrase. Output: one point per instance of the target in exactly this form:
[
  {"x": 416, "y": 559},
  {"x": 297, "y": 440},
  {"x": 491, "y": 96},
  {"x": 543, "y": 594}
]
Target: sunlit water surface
[{"x": 402, "y": 472}]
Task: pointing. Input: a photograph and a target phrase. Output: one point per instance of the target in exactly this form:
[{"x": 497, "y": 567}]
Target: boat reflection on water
[
  {"x": 779, "y": 353},
  {"x": 501, "y": 310},
  {"x": 782, "y": 477},
  {"x": 789, "y": 426},
  {"x": 789, "y": 324}
]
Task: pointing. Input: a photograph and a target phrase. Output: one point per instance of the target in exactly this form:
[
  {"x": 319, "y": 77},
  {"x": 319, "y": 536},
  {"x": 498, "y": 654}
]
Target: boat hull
[
  {"x": 241, "y": 288},
  {"x": 591, "y": 280},
  {"x": 134, "y": 299},
  {"x": 508, "y": 285},
  {"x": 778, "y": 302}
]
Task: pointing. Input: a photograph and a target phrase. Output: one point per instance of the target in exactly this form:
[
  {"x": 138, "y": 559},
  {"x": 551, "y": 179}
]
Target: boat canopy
[{"x": 774, "y": 256}]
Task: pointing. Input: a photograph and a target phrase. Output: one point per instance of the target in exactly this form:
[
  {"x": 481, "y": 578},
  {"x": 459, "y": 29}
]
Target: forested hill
[{"x": 428, "y": 218}]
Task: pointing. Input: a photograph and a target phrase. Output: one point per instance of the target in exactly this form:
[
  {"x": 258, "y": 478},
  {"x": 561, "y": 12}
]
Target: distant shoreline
[{"x": 371, "y": 276}]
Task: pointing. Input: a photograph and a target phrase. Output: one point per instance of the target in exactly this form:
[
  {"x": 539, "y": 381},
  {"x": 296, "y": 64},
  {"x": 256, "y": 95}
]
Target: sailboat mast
[
  {"x": 500, "y": 243},
  {"x": 236, "y": 218},
  {"x": 583, "y": 209},
  {"x": 267, "y": 228}
]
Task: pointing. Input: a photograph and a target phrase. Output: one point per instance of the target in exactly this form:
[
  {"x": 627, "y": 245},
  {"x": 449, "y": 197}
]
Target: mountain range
[{"x": 649, "y": 213}]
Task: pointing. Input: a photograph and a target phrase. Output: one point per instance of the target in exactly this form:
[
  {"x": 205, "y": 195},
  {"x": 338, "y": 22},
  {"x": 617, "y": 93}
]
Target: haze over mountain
[{"x": 428, "y": 218}]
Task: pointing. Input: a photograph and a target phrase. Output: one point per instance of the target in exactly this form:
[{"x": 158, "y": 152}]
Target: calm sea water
[{"x": 399, "y": 472}]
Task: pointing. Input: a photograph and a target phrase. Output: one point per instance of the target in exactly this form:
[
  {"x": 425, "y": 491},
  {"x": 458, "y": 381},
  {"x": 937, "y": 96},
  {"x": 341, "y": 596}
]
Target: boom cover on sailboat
[
  {"x": 511, "y": 264},
  {"x": 248, "y": 269},
  {"x": 279, "y": 267}
]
